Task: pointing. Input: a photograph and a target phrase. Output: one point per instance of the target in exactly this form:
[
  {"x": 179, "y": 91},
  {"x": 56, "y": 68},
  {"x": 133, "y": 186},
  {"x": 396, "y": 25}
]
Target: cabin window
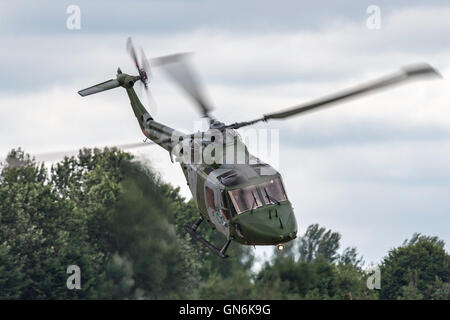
[
  {"x": 226, "y": 212},
  {"x": 272, "y": 191},
  {"x": 210, "y": 198},
  {"x": 245, "y": 199},
  {"x": 208, "y": 170}
]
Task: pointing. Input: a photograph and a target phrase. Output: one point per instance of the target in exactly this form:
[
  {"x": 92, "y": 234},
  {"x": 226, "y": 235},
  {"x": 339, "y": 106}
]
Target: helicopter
[{"x": 236, "y": 193}]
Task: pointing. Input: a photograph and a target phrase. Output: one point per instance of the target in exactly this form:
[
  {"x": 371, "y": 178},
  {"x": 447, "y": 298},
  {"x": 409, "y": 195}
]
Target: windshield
[
  {"x": 245, "y": 199},
  {"x": 272, "y": 191}
]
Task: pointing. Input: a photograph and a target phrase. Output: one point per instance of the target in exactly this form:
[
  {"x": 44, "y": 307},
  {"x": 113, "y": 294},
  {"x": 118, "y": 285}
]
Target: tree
[
  {"x": 351, "y": 283},
  {"x": 317, "y": 242},
  {"x": 440, "y": 290},
  {"x": 235, "y": 287},
  {"x": 350, "y": 256},
  {"x": 318, "y": 272},
  {"x": 409, "y": 270},
  {"x": 40, "y": 231},
  {"x": 11, "y": 275},
  {"x": 101, "y": 211}
]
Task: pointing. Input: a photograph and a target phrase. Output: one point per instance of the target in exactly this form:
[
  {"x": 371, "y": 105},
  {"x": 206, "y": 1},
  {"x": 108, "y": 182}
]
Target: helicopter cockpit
[{"x": 255, "y": 196}]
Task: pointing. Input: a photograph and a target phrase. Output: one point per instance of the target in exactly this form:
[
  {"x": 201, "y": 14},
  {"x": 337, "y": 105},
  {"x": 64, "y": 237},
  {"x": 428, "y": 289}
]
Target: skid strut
[{"x": 192, "y": 231}]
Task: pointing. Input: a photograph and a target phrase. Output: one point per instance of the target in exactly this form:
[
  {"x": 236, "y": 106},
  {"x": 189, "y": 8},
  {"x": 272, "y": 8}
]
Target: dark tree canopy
[
  {"x": 416, "y": 269},
  {"x": 122, "y": 224}
]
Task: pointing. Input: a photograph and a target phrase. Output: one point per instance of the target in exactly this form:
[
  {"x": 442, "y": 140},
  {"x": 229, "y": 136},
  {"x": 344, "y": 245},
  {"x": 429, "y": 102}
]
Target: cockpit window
[
  {"x": 245, "y": 199},
  {"x": 272, "y": 191}
]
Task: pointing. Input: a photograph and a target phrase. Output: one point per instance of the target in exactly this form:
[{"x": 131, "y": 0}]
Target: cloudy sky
[{"x": 375, "y": 169}]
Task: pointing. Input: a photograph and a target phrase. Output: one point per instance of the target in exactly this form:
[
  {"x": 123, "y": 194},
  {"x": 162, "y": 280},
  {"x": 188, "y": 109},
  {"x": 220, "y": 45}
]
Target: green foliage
[
  {"x": 100, "y": 211},
  {"x": 238, "y": 286},
  {"x": 316, "y": 272},
  {"x": 33, "y": 220},
  {"x": 141, "y": 222},
  {"x": 410, "y": 270},
  {"x": 123, "y": 226},
  {"x": 318, "y": 242},
  {"x": 11, "y": 275},
  {"x": 350, "y": 257},
  {"x": 440, "y": 290},
  {"x": 410, "y": 292}
]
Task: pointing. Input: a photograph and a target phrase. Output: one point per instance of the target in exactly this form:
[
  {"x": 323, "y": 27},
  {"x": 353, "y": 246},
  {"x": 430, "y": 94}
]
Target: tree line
[{"x": 122, "y": 224}]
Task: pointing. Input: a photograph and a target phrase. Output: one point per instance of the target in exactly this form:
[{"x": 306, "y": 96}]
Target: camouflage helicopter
[{"x": 245, "y": 200}]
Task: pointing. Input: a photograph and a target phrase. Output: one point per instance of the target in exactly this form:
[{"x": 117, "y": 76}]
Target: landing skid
[{"x": 192, "y": 231}]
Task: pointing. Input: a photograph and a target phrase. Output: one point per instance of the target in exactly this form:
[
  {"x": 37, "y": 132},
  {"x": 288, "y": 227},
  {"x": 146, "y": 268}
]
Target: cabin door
[{"x": 214, "y": 205}]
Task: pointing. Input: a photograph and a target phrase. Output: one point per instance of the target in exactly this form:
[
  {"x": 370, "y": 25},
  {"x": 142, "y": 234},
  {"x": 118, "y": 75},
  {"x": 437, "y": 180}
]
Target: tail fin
[{"x": 107, "y": 85}]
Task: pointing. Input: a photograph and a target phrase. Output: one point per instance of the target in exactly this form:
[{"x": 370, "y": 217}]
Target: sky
[{"x": 375, "y": 169}]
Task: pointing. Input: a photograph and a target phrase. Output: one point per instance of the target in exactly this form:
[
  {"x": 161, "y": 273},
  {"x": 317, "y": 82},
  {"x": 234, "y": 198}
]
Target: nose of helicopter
[{"x": 269, "y": 225}]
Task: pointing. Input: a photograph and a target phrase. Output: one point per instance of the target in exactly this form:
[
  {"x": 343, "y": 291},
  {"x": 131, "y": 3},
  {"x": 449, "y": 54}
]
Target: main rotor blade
[
  {"x": 407, "y": 73},
  {"x": 110, "y": 84},
  {"x": 52, "y": 156},
  {"x": 179, "y": 70}
]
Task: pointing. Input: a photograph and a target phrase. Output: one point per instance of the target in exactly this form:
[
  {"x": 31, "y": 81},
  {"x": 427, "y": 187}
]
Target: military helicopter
[{"x": 245, "y": 200}]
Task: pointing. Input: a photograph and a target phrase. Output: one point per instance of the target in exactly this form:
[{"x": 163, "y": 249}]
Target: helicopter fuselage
[
  {"x": 243, "y": 205},
  {"x": 244, "y": 200}
]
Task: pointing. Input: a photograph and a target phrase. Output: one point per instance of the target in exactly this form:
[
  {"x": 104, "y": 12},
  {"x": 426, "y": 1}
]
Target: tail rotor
[{"x": 144, "y": 70}]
